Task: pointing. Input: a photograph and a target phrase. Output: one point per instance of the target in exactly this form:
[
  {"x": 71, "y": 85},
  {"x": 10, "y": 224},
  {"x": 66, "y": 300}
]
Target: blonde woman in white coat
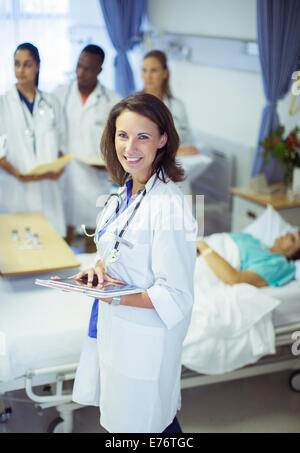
[
  {"x": 155, "y": 74},
  {"x": 30, "y": 133}
]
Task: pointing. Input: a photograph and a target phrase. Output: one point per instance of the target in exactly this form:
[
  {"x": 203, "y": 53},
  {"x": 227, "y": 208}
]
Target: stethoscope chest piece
[
  {"x": 29, "y": 133},
  {"x": 114, "y": 256}
]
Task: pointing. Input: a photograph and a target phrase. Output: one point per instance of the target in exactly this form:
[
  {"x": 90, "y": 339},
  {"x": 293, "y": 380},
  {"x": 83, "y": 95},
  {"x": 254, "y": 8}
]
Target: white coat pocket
[
  {"x": 137, "y": 350},
  {"x": 137, "y": 264}
]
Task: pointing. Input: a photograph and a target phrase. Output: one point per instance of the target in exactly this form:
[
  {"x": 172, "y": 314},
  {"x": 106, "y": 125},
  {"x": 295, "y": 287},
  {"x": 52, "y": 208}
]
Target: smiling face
[
  {"x": 137, "y": 140},
  {"x": 287, "y": 244},
  {"x": 25, "y": 67}
]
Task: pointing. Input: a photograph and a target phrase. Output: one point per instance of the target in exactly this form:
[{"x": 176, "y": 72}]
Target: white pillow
[{"x": 270, "y": 225}]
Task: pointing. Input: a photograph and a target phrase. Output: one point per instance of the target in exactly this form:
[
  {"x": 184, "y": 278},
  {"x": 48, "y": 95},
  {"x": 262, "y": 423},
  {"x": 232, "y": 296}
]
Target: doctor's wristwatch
[{"x": 116, "y": 300}]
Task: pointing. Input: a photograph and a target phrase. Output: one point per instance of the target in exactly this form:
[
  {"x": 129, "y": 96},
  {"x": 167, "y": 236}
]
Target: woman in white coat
[
  {"x": 132, "y": 370},
  {"x": 156, "y": 74},
  {"x": 30, "y": 133}
]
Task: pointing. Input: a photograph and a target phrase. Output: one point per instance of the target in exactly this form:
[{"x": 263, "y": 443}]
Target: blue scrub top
[
  {"x": 29, "y": 104},
  {"x": 92, "y": 332},
  {"x": 274, "y": 268}
]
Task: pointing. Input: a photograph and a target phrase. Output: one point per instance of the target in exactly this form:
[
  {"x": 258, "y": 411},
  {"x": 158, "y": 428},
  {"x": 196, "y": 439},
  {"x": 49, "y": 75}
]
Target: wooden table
[{"x": 18, "y": 258}]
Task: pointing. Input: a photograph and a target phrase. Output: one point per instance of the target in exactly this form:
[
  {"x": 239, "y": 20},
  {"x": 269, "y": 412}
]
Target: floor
[{"x": 261, "y": 404}]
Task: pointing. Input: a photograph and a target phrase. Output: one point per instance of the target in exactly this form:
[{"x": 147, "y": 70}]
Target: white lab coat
[
  {"x": 178, "y": 110},
  {"x": 133, "y": 369},
  {"x": 85, "y": 123},
  {"x": 24, "y": 152}
]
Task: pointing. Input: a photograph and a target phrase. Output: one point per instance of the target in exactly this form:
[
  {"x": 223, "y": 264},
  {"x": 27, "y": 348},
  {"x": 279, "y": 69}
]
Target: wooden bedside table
[{"x": 248, "y": 205}]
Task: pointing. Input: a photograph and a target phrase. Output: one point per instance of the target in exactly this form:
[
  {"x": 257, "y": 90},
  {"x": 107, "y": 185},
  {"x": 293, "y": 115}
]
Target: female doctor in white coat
[
  {"x": 30, "y": 133},
  {"x": 156, "y": 75},
  {"x": 132, "y": 371}
]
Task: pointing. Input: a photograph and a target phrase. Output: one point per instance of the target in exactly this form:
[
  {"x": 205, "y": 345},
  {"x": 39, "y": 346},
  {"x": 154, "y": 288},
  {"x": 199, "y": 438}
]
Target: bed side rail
[{"x": 63, "y": 373}]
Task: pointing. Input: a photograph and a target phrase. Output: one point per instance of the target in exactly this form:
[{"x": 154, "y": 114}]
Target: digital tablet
[{"x": 105, "y": 291}]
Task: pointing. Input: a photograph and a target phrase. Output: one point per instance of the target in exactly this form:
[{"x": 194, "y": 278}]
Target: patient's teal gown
[{"x": 275, "y": 269}]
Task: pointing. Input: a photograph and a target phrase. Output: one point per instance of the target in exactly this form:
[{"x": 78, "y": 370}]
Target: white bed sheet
[
  {"x": 288, "y": 311},
  {"x": 42, "y": 327}
]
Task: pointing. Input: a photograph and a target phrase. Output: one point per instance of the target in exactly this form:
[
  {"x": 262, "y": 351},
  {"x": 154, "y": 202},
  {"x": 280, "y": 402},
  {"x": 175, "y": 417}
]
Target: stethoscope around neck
[
  {"x": 115, "y": 252},
  {"x": 103, "y": 93},
  {"x": 42, "y": 102},
  {"x": 67, "y": 97},
  {"x": 119, "y": 202}
]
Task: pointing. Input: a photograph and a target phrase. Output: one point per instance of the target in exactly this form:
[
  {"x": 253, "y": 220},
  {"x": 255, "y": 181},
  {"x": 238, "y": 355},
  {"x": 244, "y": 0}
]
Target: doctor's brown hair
[{"x": 151, "y": 107}]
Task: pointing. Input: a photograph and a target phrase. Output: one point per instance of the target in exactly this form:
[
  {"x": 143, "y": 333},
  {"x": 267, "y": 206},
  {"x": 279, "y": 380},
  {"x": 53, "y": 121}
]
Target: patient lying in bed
[
  {"x": 232, "y": 324},
  {"x": 259, "y": 265}
]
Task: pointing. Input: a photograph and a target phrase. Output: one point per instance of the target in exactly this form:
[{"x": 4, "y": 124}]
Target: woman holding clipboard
[
  {"x": 30, "y": 134},
  {"x": 131, "y": 362}
]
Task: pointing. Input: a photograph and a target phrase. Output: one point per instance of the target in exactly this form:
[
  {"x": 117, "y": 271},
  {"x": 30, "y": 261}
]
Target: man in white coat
[{"x": 86, "y": 104}]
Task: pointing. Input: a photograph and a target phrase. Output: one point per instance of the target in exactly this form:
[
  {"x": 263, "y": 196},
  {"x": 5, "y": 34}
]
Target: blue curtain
[
  {"x": 123, "y": 19},
  {"x": 278, "y": 29}
]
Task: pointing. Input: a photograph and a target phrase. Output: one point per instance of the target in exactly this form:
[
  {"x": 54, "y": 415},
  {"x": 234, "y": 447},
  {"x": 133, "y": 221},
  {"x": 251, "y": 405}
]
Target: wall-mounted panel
[
  {"x": 217, "y": 52},
  {"x": 234, "y": 19}
]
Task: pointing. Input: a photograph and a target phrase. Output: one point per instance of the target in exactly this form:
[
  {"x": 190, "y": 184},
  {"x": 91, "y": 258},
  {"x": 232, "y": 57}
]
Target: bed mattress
[{"x": 42, "y": 327}]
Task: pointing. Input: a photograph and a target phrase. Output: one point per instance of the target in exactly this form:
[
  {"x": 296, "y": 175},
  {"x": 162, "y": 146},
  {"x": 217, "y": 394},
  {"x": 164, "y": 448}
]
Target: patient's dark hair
[{"x": 296, "y": 255}]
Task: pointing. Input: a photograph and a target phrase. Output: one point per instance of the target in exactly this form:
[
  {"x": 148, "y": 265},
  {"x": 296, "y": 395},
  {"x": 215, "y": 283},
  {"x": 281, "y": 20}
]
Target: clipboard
[
  {"x": 54, "y": 166},
  {"x": 71, "y": 285},
  {"x": 96, "y": 161}
]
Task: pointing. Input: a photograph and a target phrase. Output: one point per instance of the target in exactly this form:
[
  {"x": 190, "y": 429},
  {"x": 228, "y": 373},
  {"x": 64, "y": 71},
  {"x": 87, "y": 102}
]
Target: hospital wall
[{"x": 224, "y": 104}]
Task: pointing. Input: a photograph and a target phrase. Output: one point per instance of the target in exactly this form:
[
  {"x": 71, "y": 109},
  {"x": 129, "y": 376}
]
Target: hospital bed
[
  {"x": 42, "y": 332},
  {"x": 286, "y": 320},
  {"x": 41, "y": 336},
  {"x": 208, "y": 174}
]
